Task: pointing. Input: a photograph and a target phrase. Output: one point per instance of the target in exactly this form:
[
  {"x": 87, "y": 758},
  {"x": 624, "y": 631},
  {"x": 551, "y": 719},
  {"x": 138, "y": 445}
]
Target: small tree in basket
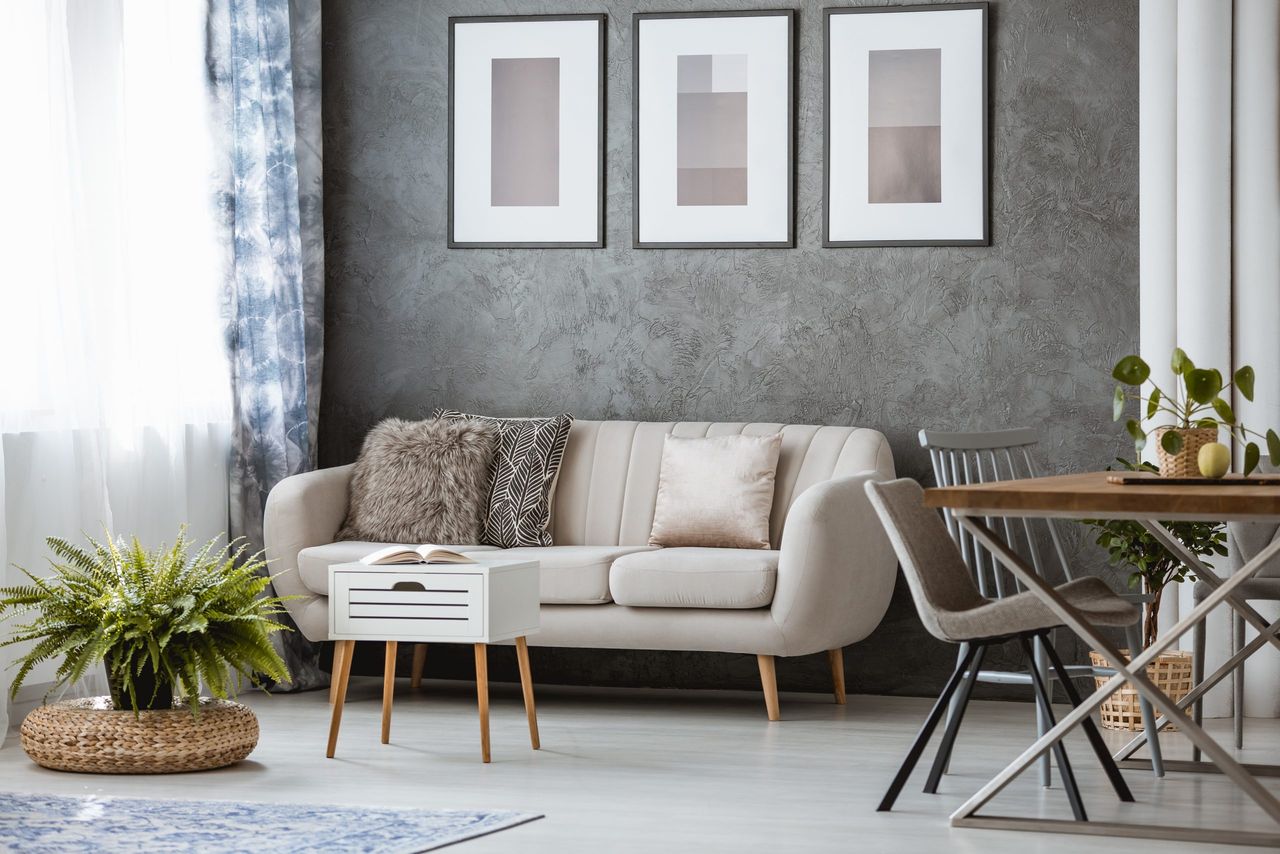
[{"x": 1152, "y": 566}]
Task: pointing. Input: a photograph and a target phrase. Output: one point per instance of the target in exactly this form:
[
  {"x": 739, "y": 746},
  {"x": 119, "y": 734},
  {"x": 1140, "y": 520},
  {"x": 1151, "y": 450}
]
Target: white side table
[{"x": 478, "y": 603}]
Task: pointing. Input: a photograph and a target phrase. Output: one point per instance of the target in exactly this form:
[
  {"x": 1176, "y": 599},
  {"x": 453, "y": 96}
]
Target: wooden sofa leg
[
  {"x": 339, "y": 652},
  {"x": 769, "y": 682},
  {"x": 836, "y": 657},
  {"x": 419, "y": 662}
]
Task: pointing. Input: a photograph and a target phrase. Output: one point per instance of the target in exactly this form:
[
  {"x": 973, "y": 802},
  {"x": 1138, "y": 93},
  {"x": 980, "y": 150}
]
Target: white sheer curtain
[{"x": 114, "y": 385}]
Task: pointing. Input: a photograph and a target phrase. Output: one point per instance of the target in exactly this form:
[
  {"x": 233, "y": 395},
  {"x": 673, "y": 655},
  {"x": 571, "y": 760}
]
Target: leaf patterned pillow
[{"x": 523, "y": 471}]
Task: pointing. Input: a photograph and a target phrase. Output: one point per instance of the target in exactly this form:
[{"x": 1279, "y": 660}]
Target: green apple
[{"x": 1214, "y": 459}]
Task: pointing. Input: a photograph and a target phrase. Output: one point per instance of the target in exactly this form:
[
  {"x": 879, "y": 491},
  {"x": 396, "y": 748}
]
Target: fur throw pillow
[{"x": 421, "y": 482}]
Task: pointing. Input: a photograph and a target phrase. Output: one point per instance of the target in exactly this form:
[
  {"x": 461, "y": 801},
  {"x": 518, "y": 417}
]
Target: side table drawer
[{"x": 382, "y": 604}]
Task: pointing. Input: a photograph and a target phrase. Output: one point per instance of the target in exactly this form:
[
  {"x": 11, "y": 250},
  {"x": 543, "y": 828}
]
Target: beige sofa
[{"x": 825, "y": 586}]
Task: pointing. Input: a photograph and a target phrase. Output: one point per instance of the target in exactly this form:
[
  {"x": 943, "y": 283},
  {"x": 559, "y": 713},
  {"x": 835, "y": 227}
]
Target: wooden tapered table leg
[
  {"x": 345, "y": 648},
  {"x": 419, "y": 662},
  {"x": 339, "y": 648},
  {"x": 526, "y": 685},
  {"x": 482, "y": 697},
  {"x": 388, "y": 688}
]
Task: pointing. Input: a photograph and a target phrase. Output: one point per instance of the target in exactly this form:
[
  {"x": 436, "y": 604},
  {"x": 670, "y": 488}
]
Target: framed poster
[
  {"x": 526, "y": 131},
  {"x": 714, "y": 129},
  {"x": 905, "y": 101}
]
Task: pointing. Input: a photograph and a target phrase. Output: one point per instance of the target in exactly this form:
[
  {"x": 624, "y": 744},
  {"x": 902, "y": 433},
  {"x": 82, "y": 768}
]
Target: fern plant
[{"x": 163, "y": 622}]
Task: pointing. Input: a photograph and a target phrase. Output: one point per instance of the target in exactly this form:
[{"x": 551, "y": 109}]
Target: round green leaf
[
  {"x": 1117, "y": 403},
  {"x": 1251, "y": 455},
  {"x": 1273, "y": 447},
  {"x": 1180, "y": 361},
  {"x": 1153, "y": 403},
  {"x": 1221, "y": 407},
  {"x": 1202, "y": 385},
  {"x": 1135, "y": 430},
  {"x": 1131, "y": 370},
  {"x": 1244, "y": 381},
  {"x": 1171, "y": 441}
]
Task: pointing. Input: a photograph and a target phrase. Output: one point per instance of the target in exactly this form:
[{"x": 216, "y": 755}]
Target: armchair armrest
[
  {"x": 837, "y": 568},
  {"x": 302, "y": 511}
]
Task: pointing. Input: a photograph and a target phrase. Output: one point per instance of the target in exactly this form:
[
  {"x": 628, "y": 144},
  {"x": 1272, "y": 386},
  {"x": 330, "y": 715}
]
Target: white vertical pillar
[
  {"x": 1256, "y": 261},
  {"x": 1204, "y": 180},
  {"x": 1157, "y": 186}
]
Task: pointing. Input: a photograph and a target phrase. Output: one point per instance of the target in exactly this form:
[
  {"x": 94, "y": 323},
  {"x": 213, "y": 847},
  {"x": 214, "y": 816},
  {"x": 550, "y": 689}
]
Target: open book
[{"x": 414, "y": 554}]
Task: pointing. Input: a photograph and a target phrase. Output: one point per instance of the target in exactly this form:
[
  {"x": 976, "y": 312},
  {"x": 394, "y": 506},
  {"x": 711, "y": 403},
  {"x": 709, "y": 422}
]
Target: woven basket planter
[
  {"x": 1185, "y": 463},
  {"x": 88, "y": 735},
  {"x": 1171, "y": 672}
]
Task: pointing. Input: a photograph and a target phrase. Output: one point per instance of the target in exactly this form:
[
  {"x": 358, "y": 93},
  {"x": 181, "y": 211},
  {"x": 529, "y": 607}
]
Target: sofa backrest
[{"x": 608, "y": 483}]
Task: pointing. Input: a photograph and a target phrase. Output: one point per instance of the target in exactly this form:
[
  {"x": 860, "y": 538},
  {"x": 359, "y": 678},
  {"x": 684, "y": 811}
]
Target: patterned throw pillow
[{"x": 524, "y": 469}]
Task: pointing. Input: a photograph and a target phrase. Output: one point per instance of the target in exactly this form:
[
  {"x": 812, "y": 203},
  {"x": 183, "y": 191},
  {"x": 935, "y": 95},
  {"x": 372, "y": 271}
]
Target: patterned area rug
[{"x": 55, "y": 823}]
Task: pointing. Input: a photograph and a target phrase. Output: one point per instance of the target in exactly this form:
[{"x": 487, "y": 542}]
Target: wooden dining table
[{"x": 1150, "y": 502}]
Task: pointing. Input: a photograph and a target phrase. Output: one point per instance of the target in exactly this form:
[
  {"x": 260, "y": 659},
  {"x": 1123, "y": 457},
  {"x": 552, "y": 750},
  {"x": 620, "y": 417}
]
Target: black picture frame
[
  {"x": 792, "y": 16},
  {"x": 599, "y": 242},
  {"x": 827, "y": 14}
]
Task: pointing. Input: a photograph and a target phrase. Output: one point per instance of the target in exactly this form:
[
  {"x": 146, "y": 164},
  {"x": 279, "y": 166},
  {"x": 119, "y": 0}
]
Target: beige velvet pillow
[{"x": 716, "y": 492}]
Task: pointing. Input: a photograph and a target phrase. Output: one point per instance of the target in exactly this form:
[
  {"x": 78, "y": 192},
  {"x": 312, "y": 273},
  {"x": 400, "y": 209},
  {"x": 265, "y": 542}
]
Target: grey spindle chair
[{"x": 960, "y": 459}]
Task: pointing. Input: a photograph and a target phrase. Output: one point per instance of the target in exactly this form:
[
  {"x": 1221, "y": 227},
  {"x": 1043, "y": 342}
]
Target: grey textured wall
[{"x": 1021, "y": 333}]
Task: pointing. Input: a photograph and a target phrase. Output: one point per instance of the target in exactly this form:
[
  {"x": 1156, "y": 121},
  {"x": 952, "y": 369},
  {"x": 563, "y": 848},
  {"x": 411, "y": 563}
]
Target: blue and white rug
[{"x": 46, "y": 824}]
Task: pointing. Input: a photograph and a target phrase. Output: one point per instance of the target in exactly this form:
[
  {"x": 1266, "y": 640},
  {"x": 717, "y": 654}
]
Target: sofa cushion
[
  {"x": 715, "y": 491},
  {"x": 421, "y": 482},
  {"x": 524, "y": 469},
  {"x": 571, "y": 575},
  {"x": 314, "y": 562},
  {"x": 695, "y": 578}
]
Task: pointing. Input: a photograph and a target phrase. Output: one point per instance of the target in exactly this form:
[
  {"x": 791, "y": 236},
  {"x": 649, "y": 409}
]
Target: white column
[
  {"x": 1204, "y": 180},
  {"x": 1256, "y": 261},
  {"x": 1157, "y": 187}
]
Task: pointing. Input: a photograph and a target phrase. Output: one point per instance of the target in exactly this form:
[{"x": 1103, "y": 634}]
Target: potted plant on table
[
  {"x": 163, "y": 623},
  {"x": 1152, "y": 568},
  {"x": 1189, "y": 446}
]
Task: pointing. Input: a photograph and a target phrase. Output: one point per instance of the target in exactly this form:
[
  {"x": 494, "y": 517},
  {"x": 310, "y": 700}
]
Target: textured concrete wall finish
[{"x": 1019, "y": 333}]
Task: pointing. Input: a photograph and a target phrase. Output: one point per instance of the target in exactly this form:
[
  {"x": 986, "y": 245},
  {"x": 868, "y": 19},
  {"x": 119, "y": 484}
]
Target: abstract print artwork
[
  {"x": 906, "y": 126},
  {"x": 714, "y": 127},
  {"x": 711, "y": 129},
  {"x": 524, "y": 134},
  {"x": 526, "y": 131}
]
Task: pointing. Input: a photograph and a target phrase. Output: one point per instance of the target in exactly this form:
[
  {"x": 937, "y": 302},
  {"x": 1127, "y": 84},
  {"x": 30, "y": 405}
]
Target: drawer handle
[{"x": 409, "y": 585}]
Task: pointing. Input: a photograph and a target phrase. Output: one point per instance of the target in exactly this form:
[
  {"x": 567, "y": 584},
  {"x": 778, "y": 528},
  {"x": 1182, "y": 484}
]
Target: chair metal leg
[
  {"x": 1237, "y": 681},
  {"x": 922, "y": 738},
  {"x": 1197, "y": 674},
  {"x": 1042, "y": 720},
  {"x": 1091, "y": 731},
  {"x": 959, "y": 703},
  {"x": 1059, "y": 752},
  {"x": 954, "y": 708},
  {"x": 1133, "y": 637}
]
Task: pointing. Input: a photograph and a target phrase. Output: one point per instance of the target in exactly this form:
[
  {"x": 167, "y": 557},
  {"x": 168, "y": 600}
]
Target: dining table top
[{"x": 1093, "y": 495}]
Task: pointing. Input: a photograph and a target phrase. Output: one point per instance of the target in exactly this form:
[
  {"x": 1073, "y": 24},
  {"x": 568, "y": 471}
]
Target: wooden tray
[{"x": 1156, "y": 480}]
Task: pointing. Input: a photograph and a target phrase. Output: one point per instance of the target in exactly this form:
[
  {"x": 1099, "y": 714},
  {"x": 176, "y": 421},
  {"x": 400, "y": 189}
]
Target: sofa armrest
[
  {"x": 302, "y": 511},
  {"x": 837, "y": 569}
]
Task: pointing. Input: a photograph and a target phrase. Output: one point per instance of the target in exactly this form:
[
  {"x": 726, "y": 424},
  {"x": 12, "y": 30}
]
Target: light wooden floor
[{"x": 642, "y": 771}]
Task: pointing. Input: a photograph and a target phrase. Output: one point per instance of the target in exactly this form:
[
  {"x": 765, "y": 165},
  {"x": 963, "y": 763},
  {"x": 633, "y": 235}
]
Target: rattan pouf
[{"x": 87, "y": 735}]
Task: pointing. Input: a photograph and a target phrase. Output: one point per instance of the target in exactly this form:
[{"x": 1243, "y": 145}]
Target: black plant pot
[{"x": 152, "y": 690}]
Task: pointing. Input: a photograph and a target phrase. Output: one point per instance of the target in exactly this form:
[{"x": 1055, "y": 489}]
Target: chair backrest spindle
[{"x": 964, "y": 458}]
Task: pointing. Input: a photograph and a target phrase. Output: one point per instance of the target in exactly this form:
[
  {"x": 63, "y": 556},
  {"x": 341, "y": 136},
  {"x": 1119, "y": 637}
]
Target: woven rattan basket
[
  {"x": 87, "y": 735},
  {"x": 1185, "y": 463},
  {"x": 1172, "y": 674}
]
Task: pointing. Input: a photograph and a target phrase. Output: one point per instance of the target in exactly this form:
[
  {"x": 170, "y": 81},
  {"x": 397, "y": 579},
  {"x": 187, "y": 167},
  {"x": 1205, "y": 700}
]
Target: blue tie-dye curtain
[{"x": 264, "y": 78}]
